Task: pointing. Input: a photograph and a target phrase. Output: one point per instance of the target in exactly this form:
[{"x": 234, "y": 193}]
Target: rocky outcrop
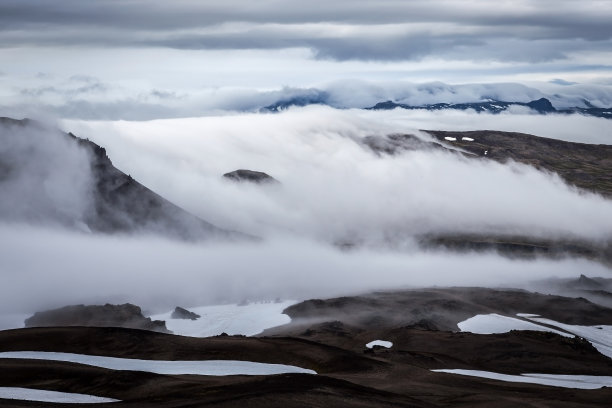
[
  {"x": 250, "y": 176},
  {"x": 122, "y": 204},
  {"x": 181, "y": 313},
  {"x": 126, "y": 315},
  {"x": 442, "y": 308}
]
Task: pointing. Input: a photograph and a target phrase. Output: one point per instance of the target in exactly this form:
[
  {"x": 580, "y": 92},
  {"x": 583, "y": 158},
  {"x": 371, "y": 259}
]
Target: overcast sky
[{"x": 82, "y": 57}]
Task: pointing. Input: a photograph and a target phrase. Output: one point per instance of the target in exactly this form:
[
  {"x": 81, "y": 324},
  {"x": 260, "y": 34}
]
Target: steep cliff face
[{"x": 50, "y": 177}]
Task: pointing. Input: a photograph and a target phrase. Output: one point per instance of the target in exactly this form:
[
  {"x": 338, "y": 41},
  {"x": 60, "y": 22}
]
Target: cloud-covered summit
[{"x": 91, "y": 98}]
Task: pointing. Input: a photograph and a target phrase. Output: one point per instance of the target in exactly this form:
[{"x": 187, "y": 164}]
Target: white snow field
[
  {"x": 586, "y": 382},
  {"x": 599, "y": 336},
  {"x": 382, "y": 343},
  {"x": 247, "y": 320},
  {"x": 201, "y": 367},
  {"x": 31, "y": 394}
]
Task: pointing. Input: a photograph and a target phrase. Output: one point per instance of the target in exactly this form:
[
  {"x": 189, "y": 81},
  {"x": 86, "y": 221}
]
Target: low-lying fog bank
[
  {"x": 45, "y": 268},
  {"x": 334, "y": 191}
]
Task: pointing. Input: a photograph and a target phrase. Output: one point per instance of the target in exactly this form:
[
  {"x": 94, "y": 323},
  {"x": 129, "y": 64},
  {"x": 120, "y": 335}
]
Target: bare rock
[
  {"x": 181, "y": 313},
  {"x": 126, "y": 315},
  {"x": 250, "y": 176}
]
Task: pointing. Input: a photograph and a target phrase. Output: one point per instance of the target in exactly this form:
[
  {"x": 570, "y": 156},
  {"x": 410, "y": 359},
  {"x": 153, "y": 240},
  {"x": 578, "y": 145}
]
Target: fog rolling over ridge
[
  {"x": 333, "y": 190},
  {"x": 56, "y": 179},
  {"x": 44, "y": 177},
  {"x": 333, "y": 187}
]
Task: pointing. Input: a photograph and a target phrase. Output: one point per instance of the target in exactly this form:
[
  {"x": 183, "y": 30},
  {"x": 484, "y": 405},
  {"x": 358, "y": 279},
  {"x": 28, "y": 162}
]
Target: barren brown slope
[
  {"x": 587, "y": 166},
  {"x": 400, "y": 377},
  {"x": 442, "y": 308}
]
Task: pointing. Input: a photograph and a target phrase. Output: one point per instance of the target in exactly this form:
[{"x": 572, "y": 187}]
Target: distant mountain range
[{"x": 542, "y": 106}]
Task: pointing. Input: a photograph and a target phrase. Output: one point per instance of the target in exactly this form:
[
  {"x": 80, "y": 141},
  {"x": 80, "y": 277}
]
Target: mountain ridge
[{"x": 117, "y": 202}]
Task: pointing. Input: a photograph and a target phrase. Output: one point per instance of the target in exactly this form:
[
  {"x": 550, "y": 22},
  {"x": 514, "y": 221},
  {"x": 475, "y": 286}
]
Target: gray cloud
[
  {"x": 340, "y": 30},
  {"x": 563, "y": 15},
  {"x": 50, "y": 268},
  {"x": 44, "y": 176},
  {"x": 87, "y": 89}
]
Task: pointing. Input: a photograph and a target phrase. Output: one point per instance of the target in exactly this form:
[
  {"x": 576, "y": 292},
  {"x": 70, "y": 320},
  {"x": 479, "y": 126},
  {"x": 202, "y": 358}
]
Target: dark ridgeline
[
  {"x": 119, "y": 203},
  {"x": 126, "y": 315}
]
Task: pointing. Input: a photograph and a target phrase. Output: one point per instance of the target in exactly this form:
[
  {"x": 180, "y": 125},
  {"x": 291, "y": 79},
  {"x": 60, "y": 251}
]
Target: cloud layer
[
  {"x": 528, "y": 30},
  {"x": 70, "y": 268},
  {"x": 86, "y": 97},
  {"x": 334, "y": 188}
]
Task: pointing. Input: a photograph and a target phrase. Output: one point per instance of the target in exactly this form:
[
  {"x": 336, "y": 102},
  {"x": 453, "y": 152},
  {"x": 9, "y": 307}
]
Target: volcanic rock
[
  {"x": 126, "y": 315},
  {"x": 180, "y": 313},
  {"x": 438, "y": 309},
  {"x": 584, "y": 282},
  {"x": 250, "y": 176},
  {"x": 587, "y": 166}
]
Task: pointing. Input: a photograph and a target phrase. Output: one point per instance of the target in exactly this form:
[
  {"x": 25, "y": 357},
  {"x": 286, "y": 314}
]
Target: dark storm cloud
[
  {"x": 341, "y": 30},
  {"x": 589, "y": 19}
]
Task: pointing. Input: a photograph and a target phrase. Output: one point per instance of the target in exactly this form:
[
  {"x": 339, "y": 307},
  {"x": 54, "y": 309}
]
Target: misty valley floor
[{"x": 329, "y": 337}]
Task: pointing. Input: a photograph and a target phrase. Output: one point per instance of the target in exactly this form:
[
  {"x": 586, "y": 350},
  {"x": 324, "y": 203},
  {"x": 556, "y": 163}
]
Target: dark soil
[
  {"x": 126, "y": 315},
  {"x": 327, "y": 337},
  {"x": 587, "y": 166}
]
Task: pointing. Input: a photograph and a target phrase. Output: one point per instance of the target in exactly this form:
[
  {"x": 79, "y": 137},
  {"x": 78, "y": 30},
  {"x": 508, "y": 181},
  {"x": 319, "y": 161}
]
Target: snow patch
[
  {"x": 586, "y": 382},
  {"x": 248, "y": 320},
  {"x": 201, "y": 367},
  {"x": 494, "y": 323},
  {"x": 31, "y": 394},
  {"x": 382, "y": 343},
  {"x": 451, "y": 139},
  {"x": 599, "y": 336},
  {"x": 467, "y": 139}
]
